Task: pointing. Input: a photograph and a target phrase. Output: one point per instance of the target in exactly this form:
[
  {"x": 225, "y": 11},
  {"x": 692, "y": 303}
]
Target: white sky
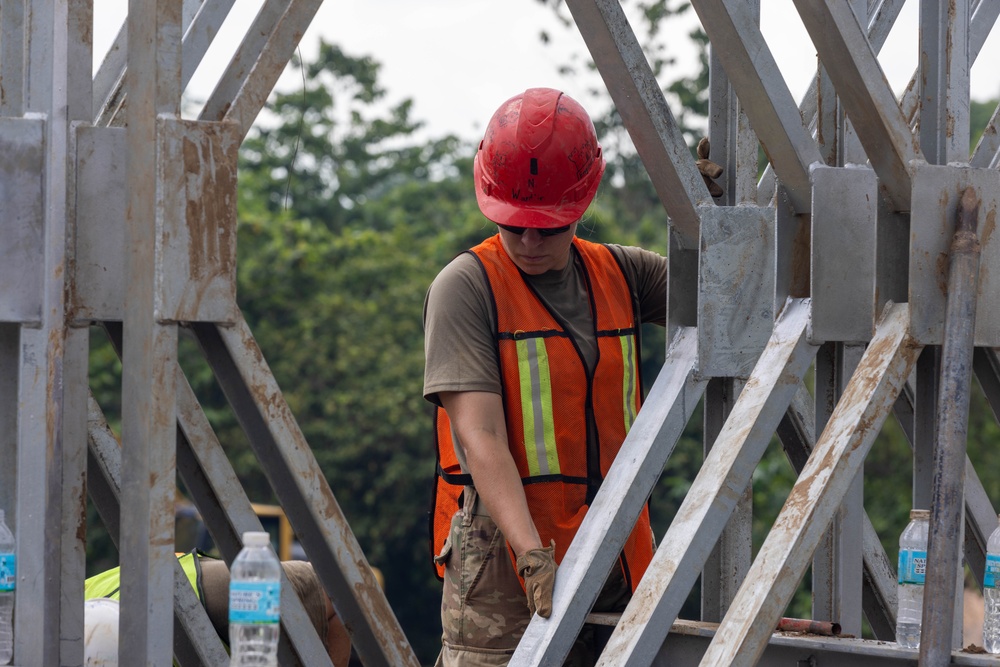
[{"x": 459, "y": 59}]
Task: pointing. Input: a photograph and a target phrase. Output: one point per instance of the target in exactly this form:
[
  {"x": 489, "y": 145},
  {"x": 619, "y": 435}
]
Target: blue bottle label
[
  {"x": 912, "y": 566},
  {"x": 8, "y": 572},
  {"x": 254, "y": 602},
  {"x": 992, "y": 577}
]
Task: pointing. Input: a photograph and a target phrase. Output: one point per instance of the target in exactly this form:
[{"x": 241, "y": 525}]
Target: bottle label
[
  {"x": 992, "y": 577},
  {"x": 8, "y": 572},
  {"x": 912, "y": 566},
  {"x": 254, "y": 602}
]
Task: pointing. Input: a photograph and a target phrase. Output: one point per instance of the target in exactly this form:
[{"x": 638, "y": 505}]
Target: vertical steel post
[
  {"x": 150, "y": 346},
  {"x": 947, "y": 500}
]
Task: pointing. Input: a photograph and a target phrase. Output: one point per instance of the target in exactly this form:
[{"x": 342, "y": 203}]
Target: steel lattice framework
[{"x": 863, "y": 253}]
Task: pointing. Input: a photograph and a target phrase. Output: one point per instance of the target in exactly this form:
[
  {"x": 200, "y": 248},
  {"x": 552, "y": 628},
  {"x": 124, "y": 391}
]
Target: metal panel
[
  {"x": 735, "y": 288},
  {"x": 610, "y": 519},
  {"x": 22, "y": 176},
  {"x": 99, "y": 284},
  {"x": 816, "y": 496},
  {"x": 644, "y": 111},
  {"x": 196, "y": 225},
  {"x": 936, "y": 193},
  {"x": 724, "y": 475},
  {"x": 842, "y": 282}
]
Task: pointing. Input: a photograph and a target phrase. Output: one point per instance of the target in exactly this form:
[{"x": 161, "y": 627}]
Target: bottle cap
[
  {"x": 920, "y": 514},
  {"x": 253, "y": 538}
]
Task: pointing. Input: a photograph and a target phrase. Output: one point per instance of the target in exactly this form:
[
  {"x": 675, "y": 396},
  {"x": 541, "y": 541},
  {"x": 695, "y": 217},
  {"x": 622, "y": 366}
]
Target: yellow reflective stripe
[
  {"x": 536, "y": 407},
  {"x": 629, "y": 384}
]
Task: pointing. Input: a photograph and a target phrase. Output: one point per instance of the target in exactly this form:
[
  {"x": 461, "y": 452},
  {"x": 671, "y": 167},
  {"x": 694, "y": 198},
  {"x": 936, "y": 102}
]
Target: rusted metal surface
[
  {"x": 936, "y": 194},
  {"x": 816, "y": 496},
  {"x": 713, "y": 495},
  {"x": 303, "y": 491},
  {"x": 809, "y": 626},
  {"x": 608, "y": 522},
  {"x": 878, "y": 594},
  {"x": 948, "y": 490},
  {"x": 196, "y": 229},
  {"x": 644, "y": 111},
  {"x": 943, "y": 84},
  {"x": 149, "y": 355}
]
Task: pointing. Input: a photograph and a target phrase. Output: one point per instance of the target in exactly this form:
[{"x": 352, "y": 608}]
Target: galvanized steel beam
[
  {"x": 709, "y": 502},
  {"x": 258, "y": 62},
  {"x": 196, "y": 642},
  {"x": 644, "y": 111},
  {"x": 687, "y": 641},
  {"x": 610, "y": 519},
  {"x": 303, "y": 491},
  {"x": 943, "y": 84},
  {"x": 864, "y": 92},
  {"x": 149, "y": 358},
  {"x": 797, "y": 433},
  {"x": 948, "y": 492},
  {"x": 881, "y": 18},
  {"x": 816, "y": 496},
  {"x": 713, "y": 494},
  {"x": 750, "y": 66}
]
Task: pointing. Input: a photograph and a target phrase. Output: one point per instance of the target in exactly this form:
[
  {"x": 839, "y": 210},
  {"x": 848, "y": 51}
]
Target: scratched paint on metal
[
  {"x": 936, "y": 194},
  {"x": 735, "y": 288},
  {"x": 196, "y": 231},
  {"x": 21, "y": 191}
]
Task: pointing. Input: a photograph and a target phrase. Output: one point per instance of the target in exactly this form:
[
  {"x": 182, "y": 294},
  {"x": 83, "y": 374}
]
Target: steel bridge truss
[{"x": 864, "y": 253}]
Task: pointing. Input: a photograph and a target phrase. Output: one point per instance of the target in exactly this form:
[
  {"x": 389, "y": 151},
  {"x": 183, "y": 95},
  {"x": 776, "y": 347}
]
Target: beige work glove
[
  {"x": 709, "y": 169},
  {"x": 538, "y": 569}
]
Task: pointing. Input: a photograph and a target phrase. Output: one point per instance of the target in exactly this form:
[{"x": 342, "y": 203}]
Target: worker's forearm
[{"x": 499, "y": 487}]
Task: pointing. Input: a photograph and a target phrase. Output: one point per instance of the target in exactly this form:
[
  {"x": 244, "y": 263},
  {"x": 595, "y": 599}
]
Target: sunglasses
[{"x": 552, "y": 231}]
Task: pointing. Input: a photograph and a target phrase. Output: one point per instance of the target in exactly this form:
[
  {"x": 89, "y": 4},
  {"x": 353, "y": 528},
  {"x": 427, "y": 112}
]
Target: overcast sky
[{"x": 459, "y": 59}]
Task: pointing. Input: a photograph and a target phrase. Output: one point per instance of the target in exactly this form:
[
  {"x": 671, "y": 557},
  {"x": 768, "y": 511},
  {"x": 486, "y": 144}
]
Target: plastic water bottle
[
  {"x": 254, "y": 597},
  {"x": 991, "y": 593},
  {"x": 8, "y": 582},
  {"x": 911, "y": 573}
]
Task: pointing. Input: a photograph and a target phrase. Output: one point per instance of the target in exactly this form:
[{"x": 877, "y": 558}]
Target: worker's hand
[
  {"x": 709, "y": 169},
  {"x": 538, "y": 569}
]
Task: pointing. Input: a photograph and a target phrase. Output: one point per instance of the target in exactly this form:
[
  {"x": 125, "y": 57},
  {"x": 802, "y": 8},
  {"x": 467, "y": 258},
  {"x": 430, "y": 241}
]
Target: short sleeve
[{"x": 459, "y": 332}]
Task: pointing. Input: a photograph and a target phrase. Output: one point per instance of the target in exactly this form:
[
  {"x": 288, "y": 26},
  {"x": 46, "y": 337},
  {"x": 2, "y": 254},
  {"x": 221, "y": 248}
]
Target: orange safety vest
[{"x": 551, "y": 403}]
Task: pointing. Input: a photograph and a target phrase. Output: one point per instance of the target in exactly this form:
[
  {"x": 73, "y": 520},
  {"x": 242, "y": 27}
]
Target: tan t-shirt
[{"x": 459, "y": 327}]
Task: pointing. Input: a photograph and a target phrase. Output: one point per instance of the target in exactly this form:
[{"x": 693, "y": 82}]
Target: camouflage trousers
[{"x": 483, "y": 608}]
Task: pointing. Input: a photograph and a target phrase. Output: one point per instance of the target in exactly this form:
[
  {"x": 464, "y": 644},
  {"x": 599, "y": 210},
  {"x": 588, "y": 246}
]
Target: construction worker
[
  {"x": 532, "y": 357},
  {"x": 210, "y": 579}
]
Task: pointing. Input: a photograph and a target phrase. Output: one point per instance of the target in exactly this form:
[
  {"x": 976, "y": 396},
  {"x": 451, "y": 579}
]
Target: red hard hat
[{"x": 539, "y": 163}]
